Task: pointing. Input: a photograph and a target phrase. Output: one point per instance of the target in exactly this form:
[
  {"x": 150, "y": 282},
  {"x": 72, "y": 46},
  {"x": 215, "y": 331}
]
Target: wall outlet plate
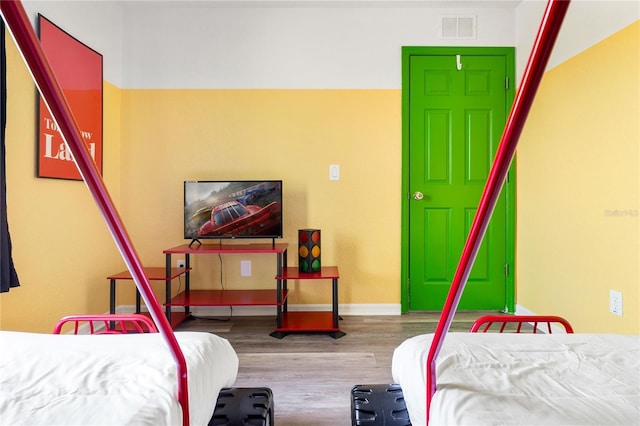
[
  {"x": 245, "y": 268},
  {"x": 615, "y": 302},
  {"x": 180, "y": 263}
]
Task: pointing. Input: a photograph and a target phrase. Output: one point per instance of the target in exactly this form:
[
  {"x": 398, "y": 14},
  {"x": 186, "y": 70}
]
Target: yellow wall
[
  {"x": 293, "y": 135},
  {"x": 61, "y": 247},
  {"x": 578, "y": 189}
]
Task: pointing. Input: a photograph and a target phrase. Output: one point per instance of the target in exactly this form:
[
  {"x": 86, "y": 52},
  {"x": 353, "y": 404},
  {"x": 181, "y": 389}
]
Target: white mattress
[
  {"x": 48, "y": 379},
  {"x": 523, "y": 379}
]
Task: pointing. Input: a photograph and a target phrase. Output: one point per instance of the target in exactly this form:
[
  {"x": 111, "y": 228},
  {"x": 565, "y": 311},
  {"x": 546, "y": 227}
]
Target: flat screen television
[{"x": 232, "y": 209}]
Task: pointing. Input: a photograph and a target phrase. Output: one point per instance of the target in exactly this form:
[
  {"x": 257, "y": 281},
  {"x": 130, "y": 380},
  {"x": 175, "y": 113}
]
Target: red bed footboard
[
  {"x": 484, "y": 323},
  {"x": 109, "y": 324},
  {"x": 547, "y": 34},
  {"x": 20, "y": 28}
]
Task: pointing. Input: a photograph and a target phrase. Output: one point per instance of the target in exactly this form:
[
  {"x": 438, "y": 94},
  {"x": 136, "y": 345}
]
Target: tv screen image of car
[{"x": 232, "y": 209}]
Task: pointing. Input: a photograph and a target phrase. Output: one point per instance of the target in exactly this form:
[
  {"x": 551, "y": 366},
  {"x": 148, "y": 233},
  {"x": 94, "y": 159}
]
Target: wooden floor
[{"x": 311, "y": 375}]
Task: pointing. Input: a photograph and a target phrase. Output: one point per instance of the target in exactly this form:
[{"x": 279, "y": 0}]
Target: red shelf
[
  {"x": 226, "y": 298},
  {"x": 293, "y": 273},
  {"x": 307, "y": 322},
  {"x": 221, "y": 297},
  {"x": 208, "y": 297},
  {"x": 153, "y": 273},
  {"x": 227, "y": 248},
  {"x": 311, "y": 321}
]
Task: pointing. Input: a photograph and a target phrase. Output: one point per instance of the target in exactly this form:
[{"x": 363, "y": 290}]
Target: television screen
[{"x": 232, "y": 209}]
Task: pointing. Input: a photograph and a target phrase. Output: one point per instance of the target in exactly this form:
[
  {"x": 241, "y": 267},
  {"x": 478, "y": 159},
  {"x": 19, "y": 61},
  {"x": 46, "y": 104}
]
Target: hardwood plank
[{"x": 311, "y": 374}]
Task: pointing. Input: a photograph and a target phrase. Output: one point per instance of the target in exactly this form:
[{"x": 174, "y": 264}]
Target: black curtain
[{"x": 8, "y": 275}]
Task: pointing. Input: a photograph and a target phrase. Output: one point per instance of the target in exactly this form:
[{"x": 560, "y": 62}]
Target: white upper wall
[
  {"x": 586, "y": 23},
  {"x": 320, "y": 44},
  {"x": 206, "y": 45},
  {"x": 98, "y": 24}
]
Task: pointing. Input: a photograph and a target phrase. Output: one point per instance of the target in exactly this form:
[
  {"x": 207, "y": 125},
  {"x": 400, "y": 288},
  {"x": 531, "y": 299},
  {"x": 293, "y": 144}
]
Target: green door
[{"x": 457, "y": 106}]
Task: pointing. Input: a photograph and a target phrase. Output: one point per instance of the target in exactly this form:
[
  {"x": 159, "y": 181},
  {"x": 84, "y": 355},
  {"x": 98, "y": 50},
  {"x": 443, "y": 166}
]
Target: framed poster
[{"x": 78, "y": 69}]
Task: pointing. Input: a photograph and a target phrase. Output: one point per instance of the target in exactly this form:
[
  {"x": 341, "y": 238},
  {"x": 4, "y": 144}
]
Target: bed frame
[
  {"x": 19, "y": 26},
  {"x": 541, "y": 51},
  {"x": 484, "y": 323},
  {"x": 107, "y": 324},
  {"x": 384, "y": 405},
  {"x": 234, "y": 405},
  {"x": 547, "y": 34}
]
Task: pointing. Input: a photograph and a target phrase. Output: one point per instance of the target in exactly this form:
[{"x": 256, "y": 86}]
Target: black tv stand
[{"x": 195, "y": 240}]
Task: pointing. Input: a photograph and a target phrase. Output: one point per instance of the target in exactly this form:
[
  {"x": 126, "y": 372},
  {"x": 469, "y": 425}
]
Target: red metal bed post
[
  {"x": 540, "y": 53},
  {"x": 20, "y": 27}
]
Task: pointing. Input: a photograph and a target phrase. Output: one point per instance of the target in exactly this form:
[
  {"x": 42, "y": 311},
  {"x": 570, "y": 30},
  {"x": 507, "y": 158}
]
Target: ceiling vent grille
[{"x": 458, "y": 27}]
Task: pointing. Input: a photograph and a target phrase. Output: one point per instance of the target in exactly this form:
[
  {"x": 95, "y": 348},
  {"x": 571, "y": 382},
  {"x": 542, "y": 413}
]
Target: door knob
[{"x": 418, "y": 195}]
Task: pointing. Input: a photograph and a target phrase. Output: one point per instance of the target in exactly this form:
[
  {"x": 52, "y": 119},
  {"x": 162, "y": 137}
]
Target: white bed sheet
[
  {"x": 109, "y": 379},
  {"x": 523, "y": 379}
]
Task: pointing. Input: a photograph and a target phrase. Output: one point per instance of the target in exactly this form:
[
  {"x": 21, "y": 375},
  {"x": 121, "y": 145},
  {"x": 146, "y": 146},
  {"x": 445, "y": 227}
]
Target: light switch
[{"x": 334, "y": 172}]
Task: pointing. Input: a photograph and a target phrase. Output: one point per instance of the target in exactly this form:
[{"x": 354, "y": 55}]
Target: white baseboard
[
  {"x": 247, "y": 311},
  {"x": 521, "y": 310},
  {"x": 370, "y": 309}
]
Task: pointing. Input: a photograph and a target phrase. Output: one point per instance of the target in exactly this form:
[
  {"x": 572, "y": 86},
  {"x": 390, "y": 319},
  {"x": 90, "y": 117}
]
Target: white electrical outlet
[
  {"x": 180, "y": 263},
  {"x": 245, "y": 268},
  {"x": 615, "y": 302}
]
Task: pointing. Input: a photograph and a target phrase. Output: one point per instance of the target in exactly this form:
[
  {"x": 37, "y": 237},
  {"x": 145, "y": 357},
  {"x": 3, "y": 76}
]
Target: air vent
[{"x": 458, "y": 27}]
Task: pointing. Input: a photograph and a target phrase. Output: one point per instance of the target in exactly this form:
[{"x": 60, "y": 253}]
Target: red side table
[
  {"x": 310, "y": 321},
  {"x": 153, "y": 273}
]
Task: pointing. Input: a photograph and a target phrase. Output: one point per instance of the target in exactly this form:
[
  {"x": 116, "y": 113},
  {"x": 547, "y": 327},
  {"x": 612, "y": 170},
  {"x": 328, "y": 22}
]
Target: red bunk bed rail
[
  {"x": 20, "y": 27},
  {"x": 540, "y": 53},
  {"x": 484, "y": 323}
]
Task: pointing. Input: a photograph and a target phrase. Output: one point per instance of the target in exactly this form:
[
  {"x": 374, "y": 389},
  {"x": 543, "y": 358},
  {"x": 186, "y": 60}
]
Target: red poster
[{"x": 78, "y": 70}]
